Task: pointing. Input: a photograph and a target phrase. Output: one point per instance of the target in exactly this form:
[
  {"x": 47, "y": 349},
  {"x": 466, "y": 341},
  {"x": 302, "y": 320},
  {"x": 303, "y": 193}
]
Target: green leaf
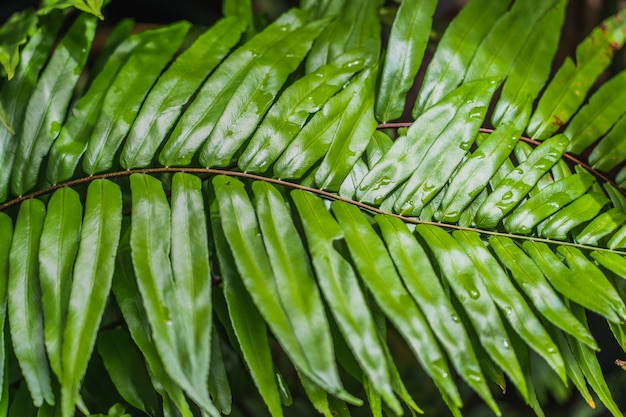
[
  {"x": 519, "y": 181},
  {"x": 72, "y": 142},
  {"x": 130, "y": 300},
  {"x": 585, "y": 208},
  {"x": 596, "y": 294},
  {"x": 353, "y": 133},
  {"x": 16, "y": 93},
  {"x": 57, "y": 253},
  {"x": 121, "y": 104},
  {"x": 377, "y": 270},
  {"x": 166, "y": 100},
  {"x": 424, "y": 286},
  {"x": 287, "y": 116},
  {"x": 479, "y": 168},
  {"x": 93, "y": 273},
  {"x": 407, "y": 42},
  {"x": 508, "y": 298},
  {"x": 401, "y": 160},
  {"x": 89, "y": 6},
  {"x": 14, "y": 33},
  {"x": 151, "y": 240},
  {"x": 570, "y": 85},
  {"x": 295, "y": 284},
  {"x": 242, "y": 11},
  {"x": 248, "y": 325},
  {"x": 119, "y": 354},
  {"x": 465, "y": 281},
  {"x": 456, "y": 50},
  {"x": 255, "y": 94},
  {"x": 596, "y": 117},
  {"x": 202, "y": 114},
  {"x": 354, "y": 27},
  {"x": 610, "y": 151},
  {"x": 343, "y": 294},
  {"x": 533, "y": 283},
  {"x": 48, "y": 104},
  {"x": 24, "y": 302},
  {"x": 248, "y": 248},
  {"x": 218, "y": 380},
  {"x": 532, "y": 65},
  {"x": 550, "y": 199},
  {"x": 601, "y": 226},
  {"x": 6, "y": 235},
  {"x": 4, "y": 119},
  {"x": 318, "y": 135}
]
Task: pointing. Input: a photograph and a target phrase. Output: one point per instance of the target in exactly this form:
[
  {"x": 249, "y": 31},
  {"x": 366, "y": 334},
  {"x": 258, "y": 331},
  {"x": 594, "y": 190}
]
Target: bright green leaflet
[
  {"x": 57, "y": 254},
  {"x": 287, "y": 116},
  {"x": 399, "y": 161},
  {"x": 353, "y": 133},
  {"x": 465, "y": 281},
  {"x": 596, "y": 117},
  {"x": 546, "y": 202},
  {"x": 424, "y": 286},
  {"x": 93, "y": 273},
  {"x": 254, "y": 95},
  {"x": 174, "y": 88},
  {"x": 409, "y": 38},
  {"x": 595, "y": 296},
  {"x": 89, "y": 6},
  {"x": 533, "y": 283},
  {"x": 48, "y": 103},
  {"x": 601, "y": 226},
  {"x": 199, "y": 119},
  {"x": 121, "y": 104},
  {"x": 477, "y": 170},
  {"x": 130, "y": 301},
  {"x": 243, "y": 236},
  {"x": 508, "y": 298},
  {"x": 13, "y": 34},
  {"x": 433, "y": 171},
  {"x": 341, "y": 290},
  {"x": 379, "y": 274},
  {"x": 585, "y": 208},
  {"x": 16, "y": 93},
  {"x": 519, "y": 181},
  {"x": 568, "y": 88},
  {"x": 532, "y": 65},
  {"x": 295, "y": 283},
  {"x": 24, "y": 307},
  {"x": 610, "y": 152},
  {"x": 72, "y": 141},
  {"x": 456, "y": 50},
  {"x": 248, "y": 325},
  {"x": 150, "y": 242}
]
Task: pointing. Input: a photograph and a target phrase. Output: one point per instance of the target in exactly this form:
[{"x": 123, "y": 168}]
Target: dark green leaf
[
  {"x": 6, "y": 235},
  {"x": 610, "y": 151},
  {"x": 218, "y": 380},
  {"x": 119, "y": 354}
]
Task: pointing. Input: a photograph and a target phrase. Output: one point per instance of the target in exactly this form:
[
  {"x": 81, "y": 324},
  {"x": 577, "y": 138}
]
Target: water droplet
[
  {"x": 506, "y": 344},
  {"x": 474, "y": 294},
  {"x": 507, "y": 196},
  {"x": 551, "y": 350},
  {"x": 444, "y": 375},
  {"x": 465, "y": 145},
  {"x": 455, "y": 319}
]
